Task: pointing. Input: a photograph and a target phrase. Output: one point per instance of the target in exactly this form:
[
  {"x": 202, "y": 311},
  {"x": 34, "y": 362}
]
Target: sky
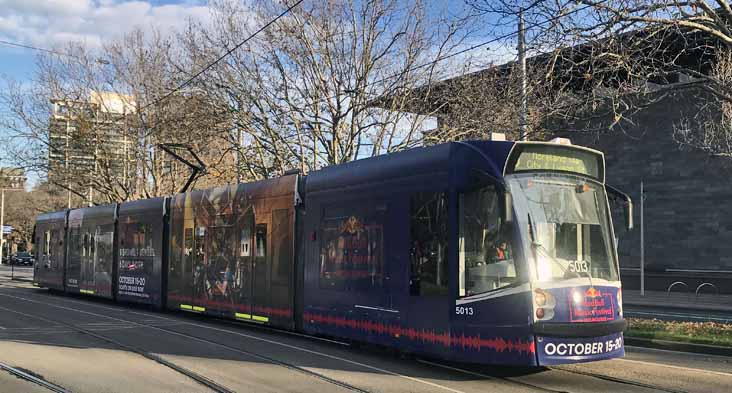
[{"x": 53, "y": 23}]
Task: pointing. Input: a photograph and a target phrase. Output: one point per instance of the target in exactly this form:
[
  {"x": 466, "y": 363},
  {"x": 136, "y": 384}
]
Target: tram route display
[{"x": 488, "y": 252}]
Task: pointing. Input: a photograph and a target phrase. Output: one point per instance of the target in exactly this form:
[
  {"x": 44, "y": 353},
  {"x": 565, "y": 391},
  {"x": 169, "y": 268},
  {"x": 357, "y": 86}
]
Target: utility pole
[
  {"x": 642, "y": 245},
  {"x": 2, "y": 224},
  {"x": 238, "y": 154},
  {"x": 522, "y": 66}
]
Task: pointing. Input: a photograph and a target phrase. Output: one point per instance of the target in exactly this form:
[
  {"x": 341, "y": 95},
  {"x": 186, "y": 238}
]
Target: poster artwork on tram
[{"x": 138, "y": 277}]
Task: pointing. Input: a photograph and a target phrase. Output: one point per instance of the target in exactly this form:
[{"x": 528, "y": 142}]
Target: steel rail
[
  {"x": 199, "y": 378},
  {"x": 618, "y": 380},
  {"x": 196, "y": 377},
  {"x": 32, "y": 378},
  {"x": 487, "y": 376}
]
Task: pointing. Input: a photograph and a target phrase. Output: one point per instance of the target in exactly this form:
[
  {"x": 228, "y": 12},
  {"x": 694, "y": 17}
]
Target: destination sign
[{"x": 556, "y": 158}]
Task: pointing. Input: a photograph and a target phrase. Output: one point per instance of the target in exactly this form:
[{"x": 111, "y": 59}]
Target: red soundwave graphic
[
  {"x": 497, "y": 344},
  {"x": 272, "y": 311}
]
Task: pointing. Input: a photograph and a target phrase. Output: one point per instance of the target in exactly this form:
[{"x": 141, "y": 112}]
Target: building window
[
  {"x": 428, "y": 244},
  {"x": 351, "y": 248}
]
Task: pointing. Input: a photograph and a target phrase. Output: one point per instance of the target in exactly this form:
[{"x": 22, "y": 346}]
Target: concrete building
[
  {"x": 687, "y": 215},
  {"x": 90, "y": 138}
]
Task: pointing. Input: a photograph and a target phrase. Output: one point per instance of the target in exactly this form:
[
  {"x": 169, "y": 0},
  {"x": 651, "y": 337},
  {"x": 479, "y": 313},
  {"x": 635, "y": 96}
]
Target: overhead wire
[
  {"x": 36, "y": 48},
  {"x": 479, "y": 45},
  {"x": 223, "y": 56}
]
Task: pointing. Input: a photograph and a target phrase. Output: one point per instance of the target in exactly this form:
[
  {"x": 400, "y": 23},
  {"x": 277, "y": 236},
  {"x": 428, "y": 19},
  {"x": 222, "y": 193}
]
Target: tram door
[
  {"x": 428, "y": 269},
  {"x": 244, "y": 278}
]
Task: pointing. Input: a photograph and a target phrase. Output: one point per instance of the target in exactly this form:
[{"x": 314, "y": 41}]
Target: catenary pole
[
  {"x": 642, "y": 245},
  {"x": 522, "y": 64},
  {"x": 2, "y": 223}
]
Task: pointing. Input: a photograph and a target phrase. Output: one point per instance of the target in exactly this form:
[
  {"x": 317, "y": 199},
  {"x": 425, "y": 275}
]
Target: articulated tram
[{"x": 482, "y": 251}]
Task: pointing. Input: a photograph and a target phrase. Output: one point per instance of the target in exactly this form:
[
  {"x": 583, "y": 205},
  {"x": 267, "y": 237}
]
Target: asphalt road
[{"x": 83, "y": 345}]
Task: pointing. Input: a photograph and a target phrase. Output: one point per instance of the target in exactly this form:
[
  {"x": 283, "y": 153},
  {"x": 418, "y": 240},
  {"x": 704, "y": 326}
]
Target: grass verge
[{"x": 710, "y": 333}]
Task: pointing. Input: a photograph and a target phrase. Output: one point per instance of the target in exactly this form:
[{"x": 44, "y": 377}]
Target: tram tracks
[
  {"x": 28, "y": 376},
  {"x": 622, "y": 381},
  {"x": 195, "y": 376},
  {"x": 530, "y": 385},
  {"x": 188, "y": 373},
  {"x": 492, "y": 377}
]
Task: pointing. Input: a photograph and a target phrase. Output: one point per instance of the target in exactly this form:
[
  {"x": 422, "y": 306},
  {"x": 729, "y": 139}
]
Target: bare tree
[
  {"x": 710, "y": 130},
  {"x": 22, "y": 207},
  {"x": 91, "y": 122},
  {"x": 612, "y": 58},
  {"x": 301, "y": 94}
]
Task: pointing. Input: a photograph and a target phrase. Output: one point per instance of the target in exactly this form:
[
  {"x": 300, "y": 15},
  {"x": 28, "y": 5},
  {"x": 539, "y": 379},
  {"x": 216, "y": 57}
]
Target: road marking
[
  {"x": 325, "y": 355},
  {"x": 181, "y": 318},
  {"x": 198, "y": 378},
  {"x": 676, "y": 367}
]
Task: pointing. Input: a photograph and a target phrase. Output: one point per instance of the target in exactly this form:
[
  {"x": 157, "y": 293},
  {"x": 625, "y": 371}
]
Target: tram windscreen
[{"x": 566, "y": 224}]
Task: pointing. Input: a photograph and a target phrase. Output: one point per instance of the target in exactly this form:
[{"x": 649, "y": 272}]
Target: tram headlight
[
  {"x": 544, "y": 303},
  {"x": 620, "y": 301},
  {"x": 540, "y": 298},
  {"x": 576, "y": 297}
]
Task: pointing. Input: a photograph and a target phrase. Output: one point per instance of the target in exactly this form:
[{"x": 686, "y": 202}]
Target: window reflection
[
  {"x": 485, "y": 249},
  {"x": 428, "y": 251}
]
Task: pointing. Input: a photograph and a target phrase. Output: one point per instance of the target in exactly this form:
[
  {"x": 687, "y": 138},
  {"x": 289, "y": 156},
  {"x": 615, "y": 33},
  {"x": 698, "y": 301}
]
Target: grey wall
[{"x": 688, "y": 209}]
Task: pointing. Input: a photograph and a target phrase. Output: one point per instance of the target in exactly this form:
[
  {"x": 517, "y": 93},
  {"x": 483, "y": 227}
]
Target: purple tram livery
[{"x": 488, "y": 252}]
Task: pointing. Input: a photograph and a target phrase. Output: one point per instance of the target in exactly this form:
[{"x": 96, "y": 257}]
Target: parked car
[{"x": 22, "y": 259}]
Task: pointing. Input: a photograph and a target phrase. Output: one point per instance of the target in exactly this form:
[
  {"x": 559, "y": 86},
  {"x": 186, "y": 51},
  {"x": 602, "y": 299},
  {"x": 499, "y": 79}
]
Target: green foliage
[{"x": 712, "y": 333}]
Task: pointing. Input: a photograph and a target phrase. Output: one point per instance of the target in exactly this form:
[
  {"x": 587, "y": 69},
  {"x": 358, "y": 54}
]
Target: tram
[{"x": 489, "y": 252}]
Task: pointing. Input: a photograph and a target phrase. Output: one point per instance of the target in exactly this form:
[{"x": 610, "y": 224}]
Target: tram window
[
  {"x": 351, "y": 247},
  {"x": 261, "y": 241},
  {"x": 428, "y": 244},
  {"x": 74, "y": 244},
  {"x": 281, "y": 245},
  {"x": 485, "y": 254},
  {"x": 47, "y": 245},
  {"x": 188, "y": 241},
  {"x": 85, "y": 242},
  {"x": 245, "y": 243},
  {"x": 200, "y": 243}
]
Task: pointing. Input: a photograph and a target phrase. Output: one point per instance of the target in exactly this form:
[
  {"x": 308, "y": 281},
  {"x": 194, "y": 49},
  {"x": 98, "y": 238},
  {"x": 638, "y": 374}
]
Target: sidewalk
[
  {"x": 18, "y": 273},
  {"x": 683, "y": 300}
]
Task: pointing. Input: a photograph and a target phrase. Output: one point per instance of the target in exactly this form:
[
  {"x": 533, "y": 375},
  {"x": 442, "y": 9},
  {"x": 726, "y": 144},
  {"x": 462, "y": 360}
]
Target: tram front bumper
[{"x": 561, "y": 343}]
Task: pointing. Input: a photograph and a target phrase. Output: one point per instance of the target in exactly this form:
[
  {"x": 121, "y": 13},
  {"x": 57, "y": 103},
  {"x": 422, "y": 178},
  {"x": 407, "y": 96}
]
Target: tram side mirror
[
  {"x": 628, "y": 210},
  {"x": 621, "y": 197},
  {"x": 507, "y": 207}
]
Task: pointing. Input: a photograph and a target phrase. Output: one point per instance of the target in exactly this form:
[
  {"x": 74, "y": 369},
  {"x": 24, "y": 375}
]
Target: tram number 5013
[{"x": 463, "y": 310}]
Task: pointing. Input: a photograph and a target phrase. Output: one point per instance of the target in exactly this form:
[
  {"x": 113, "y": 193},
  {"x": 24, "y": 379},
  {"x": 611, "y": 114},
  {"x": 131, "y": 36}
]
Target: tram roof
[
  {"x": 53, "y": 216},
  {"x": 93, "y": 212},
  {"x": 421, "y": 160},
  {"x": 141, "y": 206}
]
